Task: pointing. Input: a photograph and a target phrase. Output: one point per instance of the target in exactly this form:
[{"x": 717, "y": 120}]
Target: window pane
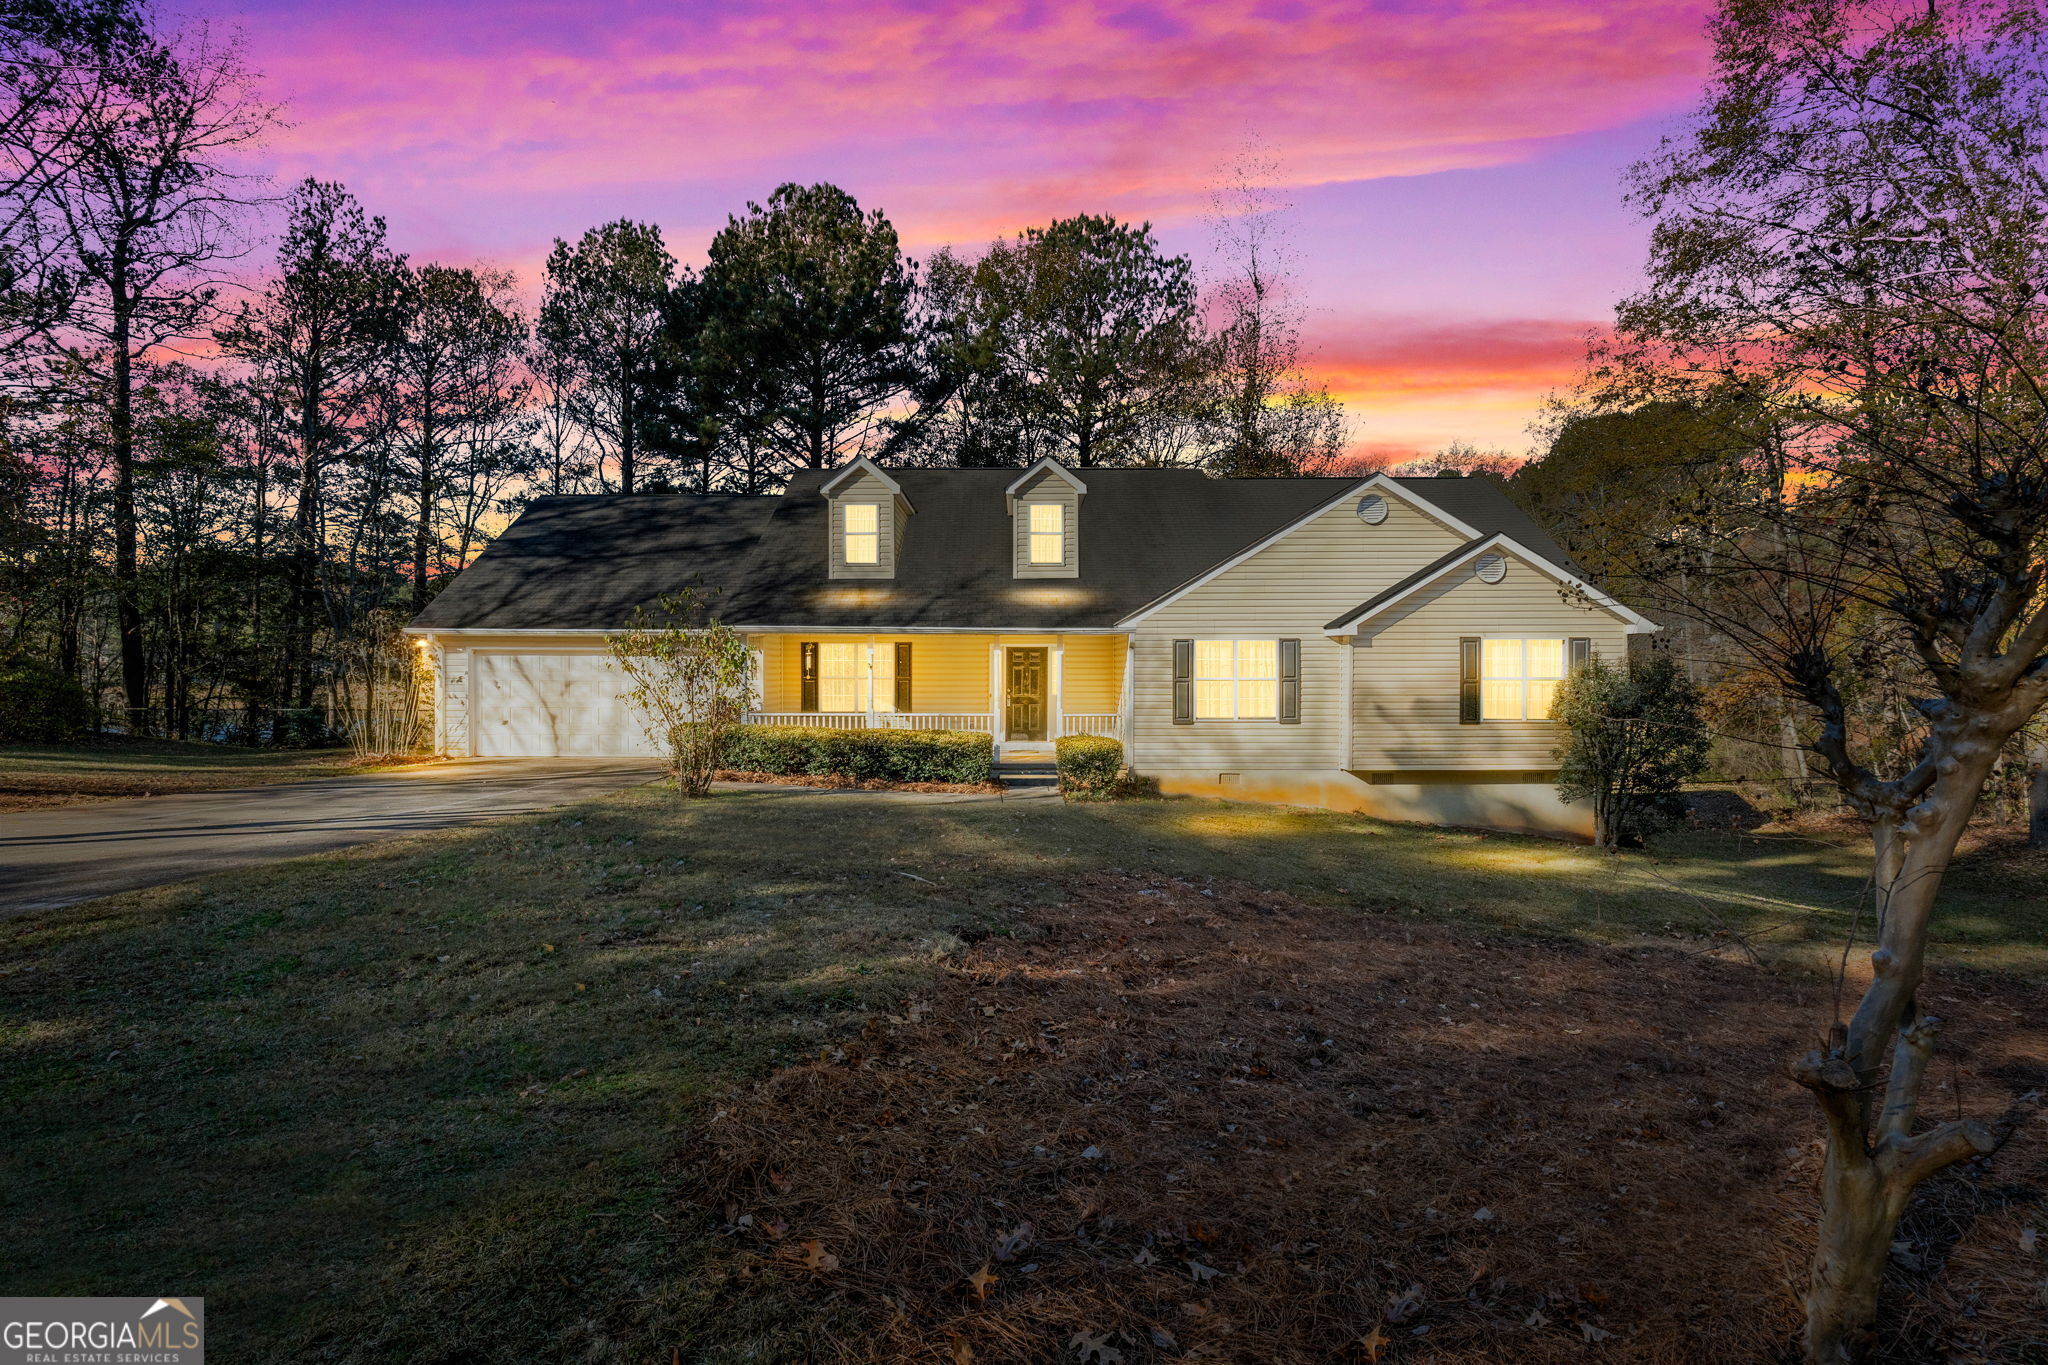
[
  {"x": 842, "y": 677},
  {"x": 1047, "y": 516},
  {"x": 1048, "y": 549},
  {"x": 863, "y": 533},
  {"x": 1501, "y": 659},
  {"x": 1546, "y": 658},
  {"x": 1212, "y": 700},
  {"x": 1542, "y": 695},
  {"x": 1258, "y": 700},
  {"x": 1258, "y": 658},
  {"x": 1500, "y": 700},
  {"x": 1215, "y": 658}
]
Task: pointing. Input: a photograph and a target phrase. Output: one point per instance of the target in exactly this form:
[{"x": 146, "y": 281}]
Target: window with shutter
[
  {"x": 1183, "y": 682},
  {"x": 1468, "y": 680},
  {"x": 1290, "y": 682}
]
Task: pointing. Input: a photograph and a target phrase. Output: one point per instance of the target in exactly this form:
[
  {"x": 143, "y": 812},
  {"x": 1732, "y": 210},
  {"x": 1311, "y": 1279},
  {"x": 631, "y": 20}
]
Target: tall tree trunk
[
  {"x": 422, "y": 531},
  {"x": 127, "y": 568},
  {"x": 1867, "y": 1178}
]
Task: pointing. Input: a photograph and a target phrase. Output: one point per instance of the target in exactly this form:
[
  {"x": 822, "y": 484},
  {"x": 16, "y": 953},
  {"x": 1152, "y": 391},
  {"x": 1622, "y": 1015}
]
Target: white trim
[
  {"x": 1638, "y": 624},
  {"x": 1043, "y": 462},
  {"x": 1378, "y": 483},
  {"x": 1347, "y": 673},
  {"x": 848, "y": 469}
]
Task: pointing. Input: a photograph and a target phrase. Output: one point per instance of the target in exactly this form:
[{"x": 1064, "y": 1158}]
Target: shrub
[
  {"x": 1633, "y": 736},
  {"x": 39, "y": 705},
  {"x": 963, "y": 756},
  {"x": 1088, "y": 766}
]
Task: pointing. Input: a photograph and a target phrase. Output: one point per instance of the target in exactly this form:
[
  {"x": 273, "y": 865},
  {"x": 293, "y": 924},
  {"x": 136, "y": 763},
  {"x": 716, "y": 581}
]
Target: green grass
[
  {"x": 424, "y": 1100},
  {"x": 33, "y": 776}
]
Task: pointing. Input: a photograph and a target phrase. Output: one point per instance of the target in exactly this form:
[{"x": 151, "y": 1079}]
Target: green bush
[
  {"x": 1088, "y": 765},
  {"x": 862, "y": 755},
  {"x": 1631, "y": 736},
  {"x": 39, "y": 705}
]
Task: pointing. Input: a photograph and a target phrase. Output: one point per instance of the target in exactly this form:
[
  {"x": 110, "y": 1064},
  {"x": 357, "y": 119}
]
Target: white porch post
[
  {"x": 1056, "y": 720},
  {"x": 1126, "y": 694},
  {"x": 871, "y": 682},
  {"x": 995, "y": 692}
]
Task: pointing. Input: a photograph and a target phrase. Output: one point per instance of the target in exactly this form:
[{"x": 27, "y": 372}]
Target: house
[{"x": 1386, "y": 645}]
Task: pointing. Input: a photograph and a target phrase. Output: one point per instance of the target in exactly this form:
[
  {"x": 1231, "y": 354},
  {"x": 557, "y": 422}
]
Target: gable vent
[
  {"x": 1491, "y": 568},
  {"x": 1372, "y": 509}
]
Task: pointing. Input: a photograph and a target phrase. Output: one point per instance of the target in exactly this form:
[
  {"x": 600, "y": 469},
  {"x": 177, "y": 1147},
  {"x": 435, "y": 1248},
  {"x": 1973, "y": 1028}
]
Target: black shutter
[
  {"x": 903, "y": 675},
  {"x": 1290, "y": 682},
  {"x": 810, "y": 689},
  {"x": 1183, "y": 682},
  {"x": 1581, "y": 653},
  {"x": 1468, "y": 680}
]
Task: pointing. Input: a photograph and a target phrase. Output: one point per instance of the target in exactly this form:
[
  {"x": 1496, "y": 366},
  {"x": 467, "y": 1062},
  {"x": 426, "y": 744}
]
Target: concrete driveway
[{"x": 58, "y": 857}]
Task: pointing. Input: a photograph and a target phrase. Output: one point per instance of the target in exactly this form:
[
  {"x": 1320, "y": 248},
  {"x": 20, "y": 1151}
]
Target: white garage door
[{"x": 552, "y": 706}]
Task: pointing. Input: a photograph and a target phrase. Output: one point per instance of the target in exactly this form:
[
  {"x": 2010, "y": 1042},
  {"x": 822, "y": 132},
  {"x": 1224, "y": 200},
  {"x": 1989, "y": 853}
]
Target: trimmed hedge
[
  {"x": 1088, "y": 765},
  {"x": 863, "y": 755}
]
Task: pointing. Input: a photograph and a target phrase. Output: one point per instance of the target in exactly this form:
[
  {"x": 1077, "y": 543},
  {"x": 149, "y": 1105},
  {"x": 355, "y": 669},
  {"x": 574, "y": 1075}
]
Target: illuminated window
[
  {"x": 1237, "y": 679},
  {"x": 1518, "y": 678},
  {"x": 863, "y": 533},
  {"x": 1048, "y": 533},
  {"x": 845, "y": 682}
]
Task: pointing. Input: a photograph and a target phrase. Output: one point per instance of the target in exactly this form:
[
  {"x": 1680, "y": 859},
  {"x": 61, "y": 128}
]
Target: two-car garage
[{"x": 547, "y": 704}]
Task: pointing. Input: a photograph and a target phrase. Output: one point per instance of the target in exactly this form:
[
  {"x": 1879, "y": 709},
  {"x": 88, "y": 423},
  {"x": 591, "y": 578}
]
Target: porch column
[
  {"x": 1126, "y": 695},
  {"x": 1056, "y": 719},
  {"x": 871, "y": 682},
  {"x": 995, "y": 690}
]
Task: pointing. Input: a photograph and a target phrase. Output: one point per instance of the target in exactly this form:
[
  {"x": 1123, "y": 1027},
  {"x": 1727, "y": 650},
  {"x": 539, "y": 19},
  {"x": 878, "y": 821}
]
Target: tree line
[{"x": 218, "y": 485}]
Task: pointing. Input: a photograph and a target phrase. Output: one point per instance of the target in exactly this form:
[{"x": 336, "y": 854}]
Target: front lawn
[
  {"x": 457, "y": 1096},
  {"x": 36, "y": 776}
]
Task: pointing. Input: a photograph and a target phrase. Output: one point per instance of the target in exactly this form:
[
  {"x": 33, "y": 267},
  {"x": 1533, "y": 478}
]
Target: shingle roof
[{"x": 573, "y": 563}]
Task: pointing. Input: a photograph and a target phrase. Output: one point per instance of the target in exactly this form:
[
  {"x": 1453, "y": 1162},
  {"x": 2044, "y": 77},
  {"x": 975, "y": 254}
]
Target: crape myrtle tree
[
  {"x": 1849, "y": 247},
  {"x": 602, "y": 331}
]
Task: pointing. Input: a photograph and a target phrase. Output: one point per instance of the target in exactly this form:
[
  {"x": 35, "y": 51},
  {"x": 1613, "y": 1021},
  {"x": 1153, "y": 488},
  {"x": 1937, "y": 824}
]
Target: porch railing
[{"x": 1105, "y": 723}]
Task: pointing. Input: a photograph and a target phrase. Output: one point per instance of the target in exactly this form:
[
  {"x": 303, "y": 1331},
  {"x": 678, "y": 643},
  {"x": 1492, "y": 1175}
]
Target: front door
[{"x": 1026, "y": 711}]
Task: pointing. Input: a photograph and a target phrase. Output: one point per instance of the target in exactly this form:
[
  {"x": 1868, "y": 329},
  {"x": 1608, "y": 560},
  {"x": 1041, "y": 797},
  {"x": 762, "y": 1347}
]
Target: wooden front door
[{"x": 1026, "y": 690}]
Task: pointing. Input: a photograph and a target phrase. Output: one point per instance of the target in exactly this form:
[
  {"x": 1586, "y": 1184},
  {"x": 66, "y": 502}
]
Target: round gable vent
[
  {"x": 1372, "y": 509},
  {"x": 1491, "y": 568}
]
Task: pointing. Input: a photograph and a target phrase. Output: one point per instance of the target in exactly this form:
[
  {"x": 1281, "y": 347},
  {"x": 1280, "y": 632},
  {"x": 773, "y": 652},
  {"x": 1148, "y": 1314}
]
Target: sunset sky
[{"x": 1453, "y": 165}]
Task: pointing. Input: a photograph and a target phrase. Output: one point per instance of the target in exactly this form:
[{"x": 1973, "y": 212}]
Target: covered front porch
[{"x": 1025, "y": 690}]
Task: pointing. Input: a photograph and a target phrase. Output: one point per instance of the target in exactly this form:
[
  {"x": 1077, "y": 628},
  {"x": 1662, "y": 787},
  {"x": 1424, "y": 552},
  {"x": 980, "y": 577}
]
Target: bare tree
[
  {"x": 1272, "y": 420},
  {"x": 1847, "y": 252},
  {"x": 148, "y": 206}
]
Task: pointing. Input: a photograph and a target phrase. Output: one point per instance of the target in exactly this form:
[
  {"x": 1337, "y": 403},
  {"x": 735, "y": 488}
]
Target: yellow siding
[
  {"x": 951, "y": 673},
  {"x": 1291, "y": 589},
  {"x": 1092, "y": 674},
  {"x": 1405, "y": 672}
]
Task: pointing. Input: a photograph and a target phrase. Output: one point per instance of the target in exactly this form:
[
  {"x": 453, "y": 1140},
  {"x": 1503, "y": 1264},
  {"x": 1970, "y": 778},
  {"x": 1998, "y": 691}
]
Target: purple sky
[{"x": 1453, "y": 166}]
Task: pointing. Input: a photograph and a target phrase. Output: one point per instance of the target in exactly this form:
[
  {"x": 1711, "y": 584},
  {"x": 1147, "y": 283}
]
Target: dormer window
[
  {"x": 1045, "y": 520},
  {"x": 1048, "y": 533},
  {"x": 865, "y": 517},
  {"x": 863, "y": 534}
]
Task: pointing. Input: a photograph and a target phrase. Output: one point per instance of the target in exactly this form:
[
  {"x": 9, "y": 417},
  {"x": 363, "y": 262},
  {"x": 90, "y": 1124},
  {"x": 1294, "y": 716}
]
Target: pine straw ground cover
[{"x": 1187, "y": 1121}]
